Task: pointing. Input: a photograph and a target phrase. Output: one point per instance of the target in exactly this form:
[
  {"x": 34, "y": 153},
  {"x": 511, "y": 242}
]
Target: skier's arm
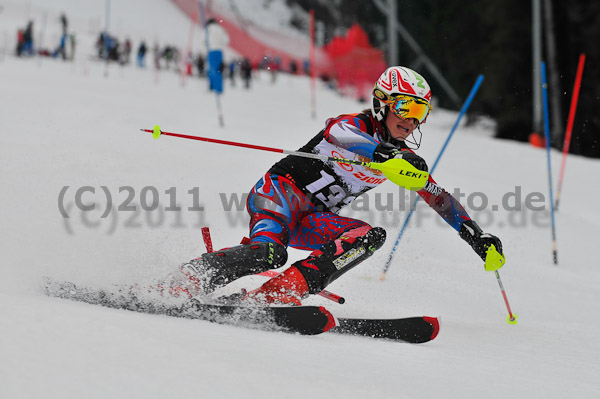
[
  {"x": 456, "y": 216},
  {"x": 349, "y": 136},
  {"x": 478, "y": 240},
  {"x": 444, "y": 204},
  {"x": 344, "y": 134}
]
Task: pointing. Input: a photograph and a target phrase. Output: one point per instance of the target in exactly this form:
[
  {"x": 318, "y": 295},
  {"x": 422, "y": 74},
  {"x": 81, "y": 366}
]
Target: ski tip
[
  {"x": 435, "y": 323},
  {"x": 331, "y": 320}
]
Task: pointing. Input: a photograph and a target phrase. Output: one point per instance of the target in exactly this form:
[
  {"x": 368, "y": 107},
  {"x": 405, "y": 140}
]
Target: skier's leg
[
  {"x": 340, "y": 244},
  {"x": 275, "y": 206}
]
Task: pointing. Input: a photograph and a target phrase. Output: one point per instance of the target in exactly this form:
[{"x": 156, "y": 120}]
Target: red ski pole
[
  {"x": 494, "y": 260},
  {"x": 569, "y": 130},
  {"x": 511, "y": 318},
  {"x": 397, "y": 170}
]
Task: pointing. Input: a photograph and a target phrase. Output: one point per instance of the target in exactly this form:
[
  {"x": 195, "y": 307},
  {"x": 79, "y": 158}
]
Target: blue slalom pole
[
  {"x": 547, "y": 134},
  {"x": 463, "y": 111},
  {"x": 217, "y": 95}
]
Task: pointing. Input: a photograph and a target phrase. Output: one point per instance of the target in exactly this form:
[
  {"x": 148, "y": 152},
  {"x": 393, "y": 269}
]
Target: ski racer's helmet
[{"x": 402, "y": 91}]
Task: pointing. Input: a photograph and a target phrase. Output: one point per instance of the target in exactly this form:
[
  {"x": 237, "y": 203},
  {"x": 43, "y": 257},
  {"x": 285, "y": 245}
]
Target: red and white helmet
[{"x": 398, "y": 80}]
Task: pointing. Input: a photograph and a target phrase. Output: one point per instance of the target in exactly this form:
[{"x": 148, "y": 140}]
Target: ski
[
  {"x": 414, "y": 330},
  {"x": 306, "y": 320}
]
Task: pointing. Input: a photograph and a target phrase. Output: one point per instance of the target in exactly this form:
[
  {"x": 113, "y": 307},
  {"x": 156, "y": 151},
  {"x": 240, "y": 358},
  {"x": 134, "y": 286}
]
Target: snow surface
[{"x": 67, "y": 124}]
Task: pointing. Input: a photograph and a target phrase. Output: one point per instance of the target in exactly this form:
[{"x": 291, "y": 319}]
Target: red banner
[{"x": 350, "y": 60}]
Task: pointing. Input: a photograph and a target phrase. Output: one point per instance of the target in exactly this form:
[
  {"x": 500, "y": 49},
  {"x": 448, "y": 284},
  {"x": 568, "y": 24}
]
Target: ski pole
[
  {"x": 547, "y": 134},
  {"x": 569, "y": 130},
  {"x": 397, "y": 170},
  {"x": 511, "y": 318},
  {"x": 494, "y": 260},
  {"x": 463, "y": 111}
]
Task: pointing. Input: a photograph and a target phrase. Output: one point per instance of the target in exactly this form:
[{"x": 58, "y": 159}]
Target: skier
[{"x": 297, "y": 201}]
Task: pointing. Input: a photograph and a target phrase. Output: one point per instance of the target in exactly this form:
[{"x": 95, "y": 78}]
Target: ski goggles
[{"x": 405, "y": 106}]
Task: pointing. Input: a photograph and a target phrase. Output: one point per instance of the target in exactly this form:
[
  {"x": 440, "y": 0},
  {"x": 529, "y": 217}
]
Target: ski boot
[
  {"x": 321, "y": 268},
  {"x": 216, "y": 269}
]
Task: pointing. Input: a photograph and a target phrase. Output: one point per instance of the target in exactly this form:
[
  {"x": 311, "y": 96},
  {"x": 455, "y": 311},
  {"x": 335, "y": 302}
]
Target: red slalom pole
[
  {"x": 569, "y": 130},
  {"x": 188, "y": 52},
  {"x": 207, "y": 239}
]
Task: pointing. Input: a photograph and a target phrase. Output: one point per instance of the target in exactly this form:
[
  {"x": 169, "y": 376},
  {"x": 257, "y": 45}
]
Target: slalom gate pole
[
  {"x": 547, "y": 134},
  {"x": 312, "y": 65},
  {"x": 41, "y": 39},
  {"x": 463, "y": 111},
  {"x": 569, "y": 131},
  {"x": 188, "y": 52},
  {"x": 218, "y": 98},
  {"x": 269, "y": 273},
  {"x": 511, "y": 318}
]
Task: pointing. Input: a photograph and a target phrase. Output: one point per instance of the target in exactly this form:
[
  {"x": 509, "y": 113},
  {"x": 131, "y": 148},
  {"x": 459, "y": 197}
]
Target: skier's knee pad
[
  {"x": 232, "y": 263},
  {"x": 337, "y": 257}
]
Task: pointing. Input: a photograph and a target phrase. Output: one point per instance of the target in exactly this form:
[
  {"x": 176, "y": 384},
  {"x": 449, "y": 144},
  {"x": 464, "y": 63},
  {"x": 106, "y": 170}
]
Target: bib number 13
[{"x": 329, "y": 193}]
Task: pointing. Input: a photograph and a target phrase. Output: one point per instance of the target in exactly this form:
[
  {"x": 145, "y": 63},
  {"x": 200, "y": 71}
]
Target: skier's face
[{"x": 400, "y": 128}]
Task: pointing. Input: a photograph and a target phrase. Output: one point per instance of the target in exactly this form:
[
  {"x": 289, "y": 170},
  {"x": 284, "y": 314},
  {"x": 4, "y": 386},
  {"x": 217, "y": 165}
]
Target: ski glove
[
  {"x": 386, "y": 151},
  {"x": 479, "y": 241}
]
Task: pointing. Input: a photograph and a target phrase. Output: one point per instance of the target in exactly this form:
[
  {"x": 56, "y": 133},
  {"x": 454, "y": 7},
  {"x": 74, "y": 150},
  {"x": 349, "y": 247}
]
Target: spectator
[
  {"x": 20, "y": 42},
  {"x": 306, "y": 67},
  {"x": 28, "y": 39},
  {"x": 157, "y": 56},
  {"x": 200, "y": 65},
  {"x": 125, "y": 53},
  {"x": 72, "y": 42},
  {"x": 273, "y": 66},
  {"x": 62, "y": 45},
  {"x": 63, "y": 22},
  {"x": 101, "y": 45},
  {"x": 246, "y": 72},
  {"x": 232, "y": 73},
  {"x": 168, "y": 54},
  {"x": 60, "y": 50},
  {"x": 141, "y": 55}
]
